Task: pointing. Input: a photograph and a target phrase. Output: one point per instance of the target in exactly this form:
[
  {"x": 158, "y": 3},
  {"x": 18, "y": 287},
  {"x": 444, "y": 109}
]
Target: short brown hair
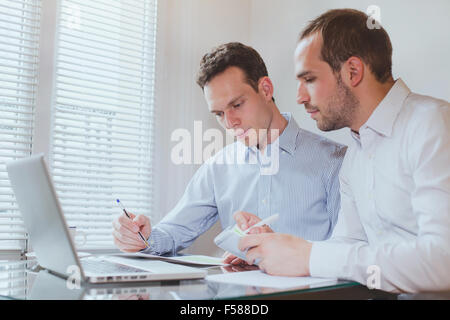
[
  {"x": 233, "y": 54},
  {"x": 345, "y": 34}
]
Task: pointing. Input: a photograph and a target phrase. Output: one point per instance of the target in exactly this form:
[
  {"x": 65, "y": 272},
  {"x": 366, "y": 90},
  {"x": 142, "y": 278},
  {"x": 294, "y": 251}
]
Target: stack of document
[{"x": 258, "y": 278}]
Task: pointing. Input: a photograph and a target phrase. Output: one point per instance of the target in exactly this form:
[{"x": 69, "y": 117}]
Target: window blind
[
  {"x": 102, "y": 119},
  {"x": 13, "y": 279},
  {"x": 19, "y": 43}
]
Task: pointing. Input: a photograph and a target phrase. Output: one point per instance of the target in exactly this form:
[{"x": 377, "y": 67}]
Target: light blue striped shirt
[{"x": 304, "y": 191}]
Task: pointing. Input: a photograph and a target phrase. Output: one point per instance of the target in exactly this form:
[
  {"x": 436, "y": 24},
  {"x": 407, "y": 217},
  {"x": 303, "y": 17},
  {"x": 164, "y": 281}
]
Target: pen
[
  {"x": 267, "y": 221},
  {"x": 140, "y": 234}
]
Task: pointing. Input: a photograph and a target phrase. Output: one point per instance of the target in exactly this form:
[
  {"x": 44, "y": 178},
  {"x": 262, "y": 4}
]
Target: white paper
[
  {"x": 198, "y": 259},
  {"x": 188, "y": 259},
  {"x": 258, "y": 278},
  {"x": 81, "y": 254}
]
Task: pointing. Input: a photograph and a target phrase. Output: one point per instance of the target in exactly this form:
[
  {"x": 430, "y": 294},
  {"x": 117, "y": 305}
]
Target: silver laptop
[{"x": 51, "y": 241}]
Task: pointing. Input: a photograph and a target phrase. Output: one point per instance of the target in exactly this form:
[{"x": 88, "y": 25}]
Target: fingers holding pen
[
  {"x": 124, "y": 234},
  {"x": 125, "y": 223},
  {"x": 127, "y": 230},
  {"x": 245, "y": 219}
]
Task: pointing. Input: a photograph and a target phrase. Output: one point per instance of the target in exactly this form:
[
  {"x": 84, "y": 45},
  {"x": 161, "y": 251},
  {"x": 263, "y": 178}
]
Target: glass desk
[{"x": 23, "y": 280}]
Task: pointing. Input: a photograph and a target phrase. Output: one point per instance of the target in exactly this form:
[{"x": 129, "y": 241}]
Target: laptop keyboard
[{"x": 107, "y": 267}]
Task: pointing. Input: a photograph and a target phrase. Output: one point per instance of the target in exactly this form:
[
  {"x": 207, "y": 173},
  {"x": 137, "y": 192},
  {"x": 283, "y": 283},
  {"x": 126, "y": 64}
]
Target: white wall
[{"x": 419, "y": 33}]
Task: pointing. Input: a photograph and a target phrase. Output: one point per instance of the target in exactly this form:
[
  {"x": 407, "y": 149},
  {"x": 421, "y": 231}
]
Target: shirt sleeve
[
  {"x": 409, "y": 266},
  {"x": 333, "y": 190},
  {"x": 195, "y": 213}
]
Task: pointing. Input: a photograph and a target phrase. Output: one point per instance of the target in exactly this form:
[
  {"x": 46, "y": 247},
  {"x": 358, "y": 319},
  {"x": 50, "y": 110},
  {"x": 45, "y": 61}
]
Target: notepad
[
  {"x": 258, "y": 278},
  {"x": 228, "y": 240}
]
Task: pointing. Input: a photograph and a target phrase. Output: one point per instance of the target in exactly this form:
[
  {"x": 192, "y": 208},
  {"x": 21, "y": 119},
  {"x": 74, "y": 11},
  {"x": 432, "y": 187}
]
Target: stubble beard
[{"x": 341, "y": 108}]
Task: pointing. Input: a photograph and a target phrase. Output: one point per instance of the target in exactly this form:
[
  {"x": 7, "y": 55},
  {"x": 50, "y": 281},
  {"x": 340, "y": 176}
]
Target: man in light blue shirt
[{"x": 300, "y": 183}]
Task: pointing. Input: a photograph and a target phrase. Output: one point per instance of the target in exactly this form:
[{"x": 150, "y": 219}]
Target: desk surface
[{"x": 18, "y": 281}]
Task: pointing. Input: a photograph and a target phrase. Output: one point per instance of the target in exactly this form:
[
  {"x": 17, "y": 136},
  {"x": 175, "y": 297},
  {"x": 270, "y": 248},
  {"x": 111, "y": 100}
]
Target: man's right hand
[
  {"x": 245, "y": 220},
  {"x": 125, "y": 233}
]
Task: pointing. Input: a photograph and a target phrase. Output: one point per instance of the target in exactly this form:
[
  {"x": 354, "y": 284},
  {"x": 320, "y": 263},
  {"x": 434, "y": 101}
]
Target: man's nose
[
  {"x": 302, "y": 94},
  {"x": 231, "y": 121}
]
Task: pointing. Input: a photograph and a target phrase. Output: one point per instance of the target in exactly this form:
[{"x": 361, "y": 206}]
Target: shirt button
[
  {"x": 264, "y": 201},
  {"x": 152, "y": 242}
]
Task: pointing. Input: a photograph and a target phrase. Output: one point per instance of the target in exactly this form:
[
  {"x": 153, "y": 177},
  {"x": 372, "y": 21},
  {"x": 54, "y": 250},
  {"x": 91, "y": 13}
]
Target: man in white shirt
[{"x": 393, "y": 230}]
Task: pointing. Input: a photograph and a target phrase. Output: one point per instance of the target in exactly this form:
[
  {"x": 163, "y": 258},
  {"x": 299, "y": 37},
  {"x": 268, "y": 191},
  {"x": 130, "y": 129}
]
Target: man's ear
[
  {"x": 352, "y": 71},
  {"x": 266, "y": 87}
]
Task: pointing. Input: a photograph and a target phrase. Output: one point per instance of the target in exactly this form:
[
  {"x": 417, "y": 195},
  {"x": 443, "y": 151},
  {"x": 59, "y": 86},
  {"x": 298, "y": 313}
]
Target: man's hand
[
  {"x": 238, "y": 268},
  {"x": 279, "y": 254},
  {"x": 125, "y": 233},
  {"x": 245, "y": 220},
  {"x": 229, "y": 258}
]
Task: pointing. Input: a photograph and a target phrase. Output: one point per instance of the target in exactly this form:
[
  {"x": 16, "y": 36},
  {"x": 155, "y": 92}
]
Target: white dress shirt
[{"x": 395, "y": 195}]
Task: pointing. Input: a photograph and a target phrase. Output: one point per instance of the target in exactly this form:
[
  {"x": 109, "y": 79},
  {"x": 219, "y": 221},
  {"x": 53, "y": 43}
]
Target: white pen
[{"x": 267, "y": 221}]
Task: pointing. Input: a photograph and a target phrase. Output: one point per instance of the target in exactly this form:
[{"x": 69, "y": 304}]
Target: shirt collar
[
  {"x": 383, "y": 117},
  {"x": 288, "y": 138}
]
